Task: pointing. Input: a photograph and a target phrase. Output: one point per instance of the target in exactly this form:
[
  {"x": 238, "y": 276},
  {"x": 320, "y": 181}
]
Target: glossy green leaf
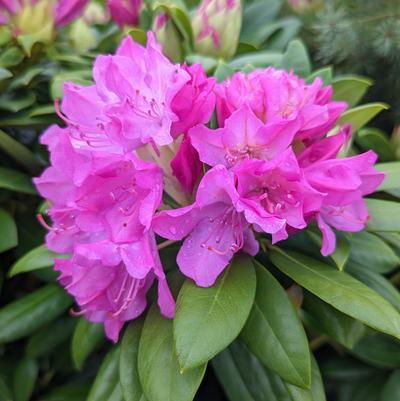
[
  {"x": 328, "y": 320},
  {"x": 375, "y": 139},
  {"x": 19, "y": 152},
  {"x": 274, "y": 333},
  {"x": 207, "y": 320},
  {"x": 370, "y": 390},
  {"x": 377, "y": 282},
  {"x": 37, "y": 258},
  {"x": 17, "y": 101},
  {"x": 346, "y": 369},
  {"x": 257, "y": 17},
  {"x": 25, "y": 78},
  {"x": 107, "y": 379},
  {"x": 361, "y": 115},
  {"x": 392, "y": 175},
  {"x": 15, "y": 181},
  {"x": 8, "y": 231},
  {"x": 324, "y": 73},
  {"x": 208, "y": 63},
  {"x": 296, "y": 58},
  {"x": 128, "y": 363},
  {"x": 87, "y": 336},
  {"x": 393, "y": 239},
  {"x": 351, "y": 89},
  {"x": 384, "y": 215},
  {"x": 373, "y": 253},
  {"x": 342, "y": 250},
  {"x": 25, "y": 377},
  {"x": 223, "y": 71},
  {"x": 159, "y": 370},
  {"x": 340, "y": 290},
  {"x": 76, "y": 391},
  {"x": 22, "y": 317},
  {"x": 47, "y": 338},
  {"x": 378, "y": 350},
  {"x": 279, "y": 33},
  {"x": 5, "y": 391},
  {"x": 391, "y": 389},
  {"x": 259, "y": 59},
  {"x": 244, "y": 378},
  {"x": 5, "y": 74},
  {"x": 11, "y": 57}
]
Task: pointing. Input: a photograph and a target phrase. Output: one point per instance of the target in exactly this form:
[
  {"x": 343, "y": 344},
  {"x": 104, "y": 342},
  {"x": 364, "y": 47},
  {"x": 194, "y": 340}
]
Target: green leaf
[
  {"x": 75, "y": 391},
  {"x": 361, "y": 115},
  {"x": 392, "y": 175},
  {"x": 107, "y": 380},
  {"x": 373, "y": 253},
  {"x": 340, "y": 290},
  {"x": 25, "y": 78},
  {"x": 4, "y": 74},
  {"x": 296, "y": 58},
  {"x": 391, "y": 389},
  {"x": 324, "y": 73},
  {"x": 257, "y": 18},
  {"x": 259, "y": 59},
  {"x": 22, "y": 317},
  {"x": 378, "y": 350},
  {"x": 20, "y": 153},
  {"x": 16, "y": 181},
  {"x": 377, "y": 282},
  {"x": 158, "y": 365},
  {"x": 346, "y": 369},
  {"x": 208, "y": 63},
  {"x": 384, "y": 215},
  {"x": 342, "y": 250},
  {"x": 8, "y": 231},
  {"x": 87, "y": 336},
  {"x": 243, "y": 378},
  {"x": 49, "y": 337},
  {"x": 393, "y": 239},
  {"x": 128, "y": 363},
  {"x": 328, "y": 320},
  {"x": 351, "y": 89},
  {"x": 375, "y": 139},
  {"x": 25, "y": 377},
  {"x": 17, "y": 101},
  {"x": 223, "y": 71},
  {"x": 5, "y": 392},
  {"x": 35, "y": 259},
  {"x": 275, "y": 334},
  {"x": 208, "y": 319},
  {"x": 11, "y": 57}
]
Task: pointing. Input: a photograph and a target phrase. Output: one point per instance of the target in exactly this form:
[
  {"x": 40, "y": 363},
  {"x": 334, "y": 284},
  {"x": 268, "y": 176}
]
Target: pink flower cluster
[{"x": 140, "y": 130}]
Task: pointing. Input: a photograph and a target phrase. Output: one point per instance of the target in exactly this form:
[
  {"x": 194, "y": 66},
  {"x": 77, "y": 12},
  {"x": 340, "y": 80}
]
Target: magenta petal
[
  {"x": 67, "y": 10},
  {"x": 166, "y": 301},
  {"x": 328, "y": 237}
]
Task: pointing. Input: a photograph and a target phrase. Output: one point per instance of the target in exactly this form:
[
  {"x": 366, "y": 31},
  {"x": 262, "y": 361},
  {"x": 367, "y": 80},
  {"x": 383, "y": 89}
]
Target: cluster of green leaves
[{"x": 286, "y": 326}]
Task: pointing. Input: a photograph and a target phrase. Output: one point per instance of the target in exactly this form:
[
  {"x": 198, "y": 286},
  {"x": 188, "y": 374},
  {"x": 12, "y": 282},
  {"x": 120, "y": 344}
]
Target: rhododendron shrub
[{"x": 190, "y": 209}]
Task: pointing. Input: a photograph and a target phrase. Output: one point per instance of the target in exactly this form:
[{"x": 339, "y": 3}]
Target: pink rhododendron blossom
[
  {"x": 344, "y": 181},
  {"x": 278, "y": 96},
  {"x": 125, "y": 12},
  {"x": 213, "y": 226},
  {"x": 195, "y": 102},
  {"x": 244, "y": 136},
  {"x": 130, "y": 103},
  {"x": 186, "y": 165},
  {"x": 102, "y": 209},
  {"x": 275, "y": 194}
]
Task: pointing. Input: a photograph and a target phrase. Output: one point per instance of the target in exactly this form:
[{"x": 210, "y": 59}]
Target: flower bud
[
  {"x": 216, "y": 27},
  {"x": 125, "y": 12},
  {"x": 168, "y": 37},
  {"x": 82, "y": 36}
]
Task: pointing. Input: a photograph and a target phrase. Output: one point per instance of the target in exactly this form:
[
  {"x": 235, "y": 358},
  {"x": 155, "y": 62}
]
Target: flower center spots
[
  {"x": 233, "y": 156},
  {"x": 226, "y": 233}
]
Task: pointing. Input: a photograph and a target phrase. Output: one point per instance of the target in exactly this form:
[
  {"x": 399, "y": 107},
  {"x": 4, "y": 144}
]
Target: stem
[
  {"x": 318, "y": 342},
  {"x": 165, "y": 244}
]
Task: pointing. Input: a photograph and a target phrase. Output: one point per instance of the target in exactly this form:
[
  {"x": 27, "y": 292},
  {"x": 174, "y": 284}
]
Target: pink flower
[
  {"x": 214, "y": 229},
  {"x": 130, "y": 104},
  {"x": 186, "y": 165},
  {"x": 107, "y": 292},
  {"x": 277, "y": 96},
  {"x": 102, "y": 209},
  {"x": 195, "y": 102},
  {"x": 66, "y": 11},
  {"x": 344, "y": 181},
  {"x": 275, "y": 194},
  {"x": 244, "y": 136},
  {"x": 125, "y": 12}
]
